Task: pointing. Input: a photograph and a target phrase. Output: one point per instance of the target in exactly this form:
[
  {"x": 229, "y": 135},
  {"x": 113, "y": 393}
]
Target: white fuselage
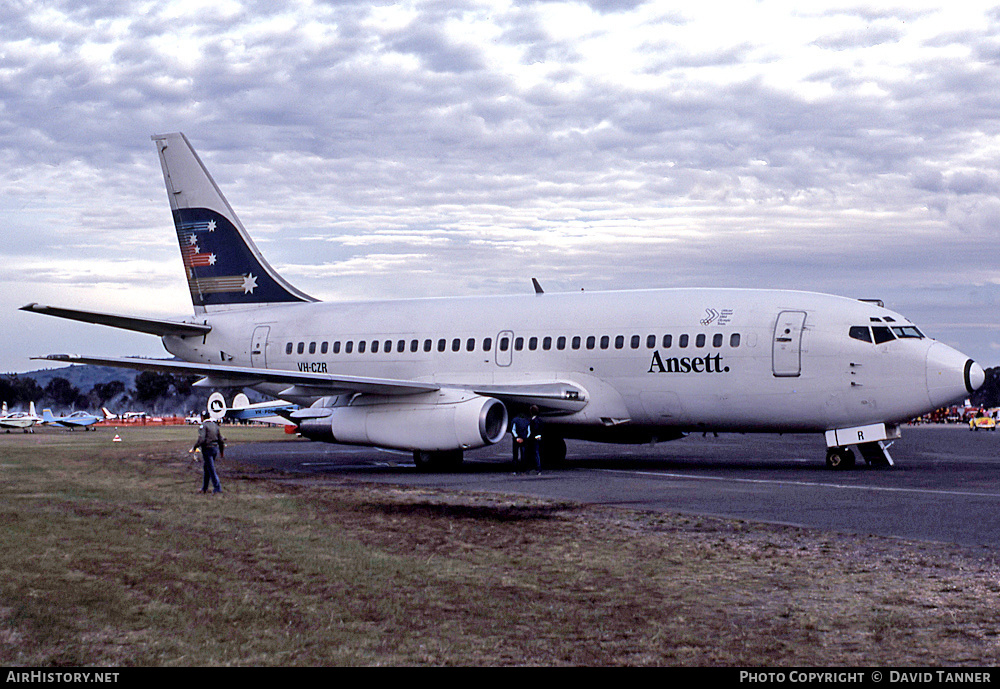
[{"x": 650, "y": 361}]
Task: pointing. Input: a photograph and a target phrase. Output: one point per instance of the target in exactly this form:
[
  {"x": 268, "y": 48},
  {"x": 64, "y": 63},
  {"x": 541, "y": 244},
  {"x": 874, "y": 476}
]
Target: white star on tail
[{"x": 249, "y": 284}]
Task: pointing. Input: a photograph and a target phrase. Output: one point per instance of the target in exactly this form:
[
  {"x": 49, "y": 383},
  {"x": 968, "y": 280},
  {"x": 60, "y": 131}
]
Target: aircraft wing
[
  {"x": 151, "y": 326},
  {"x": 298, "y": 382},
  {"x": 556, "y": 396}
]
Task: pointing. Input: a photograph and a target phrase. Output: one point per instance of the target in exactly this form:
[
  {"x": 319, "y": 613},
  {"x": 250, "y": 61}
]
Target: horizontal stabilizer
[{"x": 137, "y": 324}]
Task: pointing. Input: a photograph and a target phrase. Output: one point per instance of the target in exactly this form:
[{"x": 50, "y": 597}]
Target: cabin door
[
  {"x": 258, "y": 346},
  {"x": 786, "y": 349}
]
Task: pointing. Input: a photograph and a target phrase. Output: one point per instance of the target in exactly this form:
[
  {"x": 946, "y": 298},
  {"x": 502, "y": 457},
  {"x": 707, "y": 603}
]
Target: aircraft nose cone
[
  {"x": 951, "y": 375},
  {"x": 975, "y": 376}
]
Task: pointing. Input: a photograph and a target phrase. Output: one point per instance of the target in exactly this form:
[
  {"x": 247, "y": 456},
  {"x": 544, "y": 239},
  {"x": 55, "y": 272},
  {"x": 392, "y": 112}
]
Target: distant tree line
[
  {"x": 153, "y": 391},
  {"x": 989, "y": 394}
]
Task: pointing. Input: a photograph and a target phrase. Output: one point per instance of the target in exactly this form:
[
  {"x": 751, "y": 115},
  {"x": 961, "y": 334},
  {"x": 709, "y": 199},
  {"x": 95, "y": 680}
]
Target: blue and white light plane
[
  {"x": 78, "y": 419},
  {"x": 440, "y": 376}
]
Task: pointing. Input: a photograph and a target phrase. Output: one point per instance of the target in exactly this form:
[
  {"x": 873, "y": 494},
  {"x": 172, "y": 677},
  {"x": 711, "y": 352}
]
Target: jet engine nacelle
[{"x": 433, "y": 422}]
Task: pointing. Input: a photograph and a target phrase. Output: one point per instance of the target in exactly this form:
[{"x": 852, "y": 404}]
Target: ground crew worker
[{"x": 211, "y": 443}]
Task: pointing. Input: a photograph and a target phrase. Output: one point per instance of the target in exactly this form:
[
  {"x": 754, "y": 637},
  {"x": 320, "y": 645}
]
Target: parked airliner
[{"x": 439, "y": 376}]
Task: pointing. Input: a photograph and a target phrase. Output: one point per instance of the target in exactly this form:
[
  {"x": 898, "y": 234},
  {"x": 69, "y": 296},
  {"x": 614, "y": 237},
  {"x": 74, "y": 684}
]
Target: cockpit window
[
  {"x": 882, "y": 334},
  {"x": 907, "y": 331},
  {"x": 861, "y": 332}
]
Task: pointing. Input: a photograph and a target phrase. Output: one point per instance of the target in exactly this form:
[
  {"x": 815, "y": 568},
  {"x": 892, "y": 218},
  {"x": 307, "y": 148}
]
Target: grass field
[{"x": 110, "y": 557}]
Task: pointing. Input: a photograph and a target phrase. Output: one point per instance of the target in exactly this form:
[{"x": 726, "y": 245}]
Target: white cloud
[{"x": 465, "y": 147}]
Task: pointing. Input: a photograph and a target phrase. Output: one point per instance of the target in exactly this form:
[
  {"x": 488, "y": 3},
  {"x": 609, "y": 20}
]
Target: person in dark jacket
[
  {"x": 520, "y": 431},
  {"x": 212, "y": 444},
  {"x": 535, "y": 441}
]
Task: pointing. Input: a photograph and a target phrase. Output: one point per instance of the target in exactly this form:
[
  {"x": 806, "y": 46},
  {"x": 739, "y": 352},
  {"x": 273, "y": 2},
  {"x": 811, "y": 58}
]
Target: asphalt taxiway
[{"x": 945, "y": 486}]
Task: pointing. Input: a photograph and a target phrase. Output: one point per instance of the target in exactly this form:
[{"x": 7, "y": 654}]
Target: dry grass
[{"x": 109, "y": 557}]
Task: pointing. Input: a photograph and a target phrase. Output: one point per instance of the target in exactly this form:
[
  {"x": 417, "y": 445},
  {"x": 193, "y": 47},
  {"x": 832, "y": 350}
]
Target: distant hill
[{"x": 82, "y": 377}]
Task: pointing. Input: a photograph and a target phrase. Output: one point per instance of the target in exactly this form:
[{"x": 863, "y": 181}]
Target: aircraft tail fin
[
  {"x": 223, "y": 267},
  {"x": 3, "y": 410},
  {"x": 107, "y": 414},
  {"x": 31, "y": 409},
  {"x": 47, "y": 415}
]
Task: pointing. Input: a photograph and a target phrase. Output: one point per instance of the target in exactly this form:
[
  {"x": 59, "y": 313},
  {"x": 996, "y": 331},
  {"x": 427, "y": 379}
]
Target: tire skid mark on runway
[{"x": 805, "y": 484}]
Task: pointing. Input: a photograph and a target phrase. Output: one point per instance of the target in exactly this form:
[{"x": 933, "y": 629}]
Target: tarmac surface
[{"x": 944, "y": 487}]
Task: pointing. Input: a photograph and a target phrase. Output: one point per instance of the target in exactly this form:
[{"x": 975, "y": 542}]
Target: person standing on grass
[{"x": 211, "y": 443}]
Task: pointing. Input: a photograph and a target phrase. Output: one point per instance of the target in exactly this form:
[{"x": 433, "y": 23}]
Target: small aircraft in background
[
  {"x": 19, "y": 419},
  {"x": 276, "y": 412},
  {"x": 78, "y": 419}
]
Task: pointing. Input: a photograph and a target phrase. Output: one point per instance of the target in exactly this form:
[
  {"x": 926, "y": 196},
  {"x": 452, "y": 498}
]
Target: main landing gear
[{"x": 449, "y": 460}]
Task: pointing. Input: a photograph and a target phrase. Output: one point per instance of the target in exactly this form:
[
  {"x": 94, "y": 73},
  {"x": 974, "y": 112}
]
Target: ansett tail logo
[{"x": 711, "y": 363}]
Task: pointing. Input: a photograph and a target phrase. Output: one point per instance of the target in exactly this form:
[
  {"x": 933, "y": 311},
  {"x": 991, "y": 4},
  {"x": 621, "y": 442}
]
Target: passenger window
[
  {"x": 414, "y": 345},
  {"x": 575, "y": 342},
  {"x": 336, "y": 347},
  {"x": 682, "y": 341},
  {"x": 635, "y": 342},
  {"x": 882, "y": 334},
  {"x": 470, "y": 344},
  {"x": 650, "y": 341},
  {"x": 504, "y": 344},
  {"x": 667, "y": 341},
  {"x": 532, "y": 343},
  {"x": 619, "y": 341},
  {"x": 288, "y": 348},
  {"x": 441, "y": 345},
  {"x": 323, "y": 348},
  {"x": 699, "y": 341},
  {"x": 427, "y": 345},
  {"x": 487, "y": 344},
  {"x": 312, "y": 347},
  {"x": 717, "y": 340},
  {"x": 401, "y": 346},
  {"x": 561, "y": 342},
  {"x": 546, "y": 343},
  {"x": 374, "y": 346},
  {"x": 456, "y": 344},
  {"x": 301, "y": 348},
  {"x": 605, "y": 341},
  {"x": 361, "y": 346},
  {"x": 518, "y": 343},
  {"x": 734, "y": 340},
  {"x": 349, "y": 347}
]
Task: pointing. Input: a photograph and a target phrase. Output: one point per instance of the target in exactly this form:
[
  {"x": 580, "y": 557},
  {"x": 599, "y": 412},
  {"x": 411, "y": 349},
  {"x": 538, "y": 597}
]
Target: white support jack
[{"x": 870, "y": 441}]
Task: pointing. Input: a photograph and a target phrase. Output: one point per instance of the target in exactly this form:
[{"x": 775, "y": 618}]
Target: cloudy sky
[{"x": 461, "y": 147}]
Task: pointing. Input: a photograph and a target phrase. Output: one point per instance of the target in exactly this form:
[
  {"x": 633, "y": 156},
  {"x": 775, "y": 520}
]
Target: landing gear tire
[
  {"x": 553, "y": 452},
  {"x": 448, "y": 460},
  {"x": 840, "y": 458}
]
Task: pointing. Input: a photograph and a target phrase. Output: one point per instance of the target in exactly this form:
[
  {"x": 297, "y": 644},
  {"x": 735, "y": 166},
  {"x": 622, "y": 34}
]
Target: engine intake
[{"x": 432, "y": 422}]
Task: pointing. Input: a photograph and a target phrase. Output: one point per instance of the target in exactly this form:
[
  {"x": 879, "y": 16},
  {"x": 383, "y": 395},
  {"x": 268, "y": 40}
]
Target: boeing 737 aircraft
[{"x": 440, "y": 376}]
